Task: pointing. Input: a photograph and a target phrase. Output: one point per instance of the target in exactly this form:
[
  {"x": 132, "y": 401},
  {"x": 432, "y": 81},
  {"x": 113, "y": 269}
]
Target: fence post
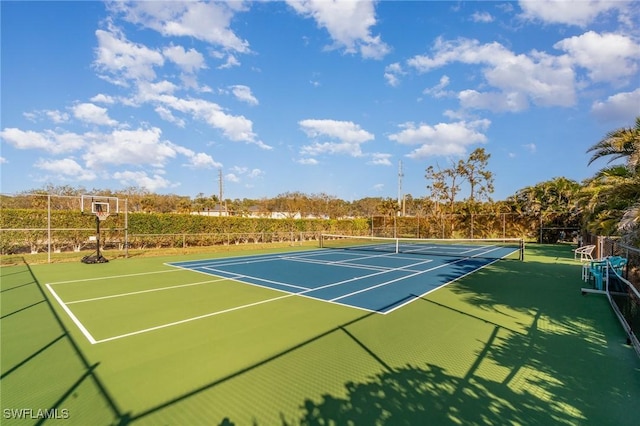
[{"x": 49, "y": 228}]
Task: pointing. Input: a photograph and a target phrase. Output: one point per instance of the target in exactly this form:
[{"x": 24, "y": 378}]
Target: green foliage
[
  {"x": 609, "y": 200},
  {"x": 27, "y": 230}
]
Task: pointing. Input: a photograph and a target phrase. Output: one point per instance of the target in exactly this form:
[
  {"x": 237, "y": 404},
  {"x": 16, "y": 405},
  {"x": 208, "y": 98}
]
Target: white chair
[
  {"x": 585, "y": 253},
  {"x": 586, "y": 257}
]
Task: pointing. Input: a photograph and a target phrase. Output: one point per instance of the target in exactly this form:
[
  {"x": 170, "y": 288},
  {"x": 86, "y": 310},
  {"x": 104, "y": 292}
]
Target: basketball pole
[{"x": 98, "y": 256}]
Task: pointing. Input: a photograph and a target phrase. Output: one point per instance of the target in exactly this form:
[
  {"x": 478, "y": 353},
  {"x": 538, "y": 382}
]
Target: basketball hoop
[
  {"x": 100, "y": 209},
  {"x": 102, "y": 215}
]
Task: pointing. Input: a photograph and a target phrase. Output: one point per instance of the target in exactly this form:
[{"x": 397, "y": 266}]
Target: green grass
[{"x": 515, "y": 343}]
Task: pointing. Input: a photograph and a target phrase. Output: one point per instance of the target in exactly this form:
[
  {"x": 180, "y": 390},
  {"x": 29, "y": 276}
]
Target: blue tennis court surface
[{"x": 378, "y": 282}]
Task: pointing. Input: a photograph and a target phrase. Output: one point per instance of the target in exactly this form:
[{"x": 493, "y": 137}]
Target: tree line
[{"x": 605, "y": 204}]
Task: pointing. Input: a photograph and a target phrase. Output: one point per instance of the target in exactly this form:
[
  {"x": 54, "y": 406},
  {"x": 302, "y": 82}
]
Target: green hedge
[{"x": 26, "y": 230}]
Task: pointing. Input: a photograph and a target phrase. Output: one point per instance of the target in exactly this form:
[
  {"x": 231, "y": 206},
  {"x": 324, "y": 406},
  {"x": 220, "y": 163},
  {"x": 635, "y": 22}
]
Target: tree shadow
[
  {"x": 549, "y": 380},
  {"x": 542, "y": 347},
  {"x": 412, "y": 395},
  {"x": 543, "y": 360}
]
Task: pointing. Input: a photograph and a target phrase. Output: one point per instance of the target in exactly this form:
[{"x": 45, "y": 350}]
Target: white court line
[
  {"x": 255, "y": 304},
  {"x": 113, "y": 276},
  {"x": 240, "y": 260},
  {"x": 72, "y": 316},
  {"x": 237, "y": 277},
  {"x": 342, "y": 264},
  {"x": 303, "y": 294},
  {"x": 237, "y": 308},
  {"x": 397, "y": 279},
  {"x": 440, "y": 286},
  {"x": 145, "y": 291},
  {"x": 404, "y": 268}
]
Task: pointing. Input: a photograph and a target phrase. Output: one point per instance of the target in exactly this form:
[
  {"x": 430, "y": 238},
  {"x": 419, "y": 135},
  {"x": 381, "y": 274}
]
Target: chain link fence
[{"x": 623, "y": 287}]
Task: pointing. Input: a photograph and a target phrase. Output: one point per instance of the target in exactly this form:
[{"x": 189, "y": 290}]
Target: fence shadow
[
  {"x": 541, "y": 358},
  {"x": 36, "y": 349}
]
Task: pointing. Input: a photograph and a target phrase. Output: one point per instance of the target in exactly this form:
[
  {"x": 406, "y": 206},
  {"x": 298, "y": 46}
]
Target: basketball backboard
[{"x": 94, "y": 204}]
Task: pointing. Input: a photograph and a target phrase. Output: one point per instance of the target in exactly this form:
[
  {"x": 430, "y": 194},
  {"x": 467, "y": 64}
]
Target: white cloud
[
  {"x": 209, "y": 22},
  {"x": 621, "y": 107},
  {"x": 442, "y": 139},
  {"x": 348, "y": 23},
  {"x": 53, "y": 115},
  {"x": 189, "y": 61},
  {"x": 93, "y": 114},
  {"x": 343, "y": 130},
  {"x": 57, "y": 116},
  {"x": 530, "y": 147},
  {"x": 231, "y": 177},
  {"x": 580, "y": 13},
  {"x": 137, "y": 147},
  {"x": 101, "y": 98},
  {"x": 198, "y": 160},
  {"x": 483, "y": 17},
  {"x": 123, "y": 60},
  {"x": 380, "y": 159},
  {"x": 494, "y": 101},
  {"x": 66, "y": 169},
  {"x": 242, "y": 173},
  {"x": 48, "y": 140},
  {"x": 31, "y": 116},
  {"x": 150, "y": 92},
  {"x": 392, "y": 74},
  {"x": 308, "y": 161},
  {"x": 543, "y": 79},
  {"x": 234, "y": 127},
  {"x": 167, "y": 115},
  {"x": 231, "y": 62},
  {"x": 243, "y": 93},
  {"x": 239, "y": 169},
  {"x": 607, "y": 57},
  {"x": 438, "y": 91},
  {"x": 255, "y": 173},
  {"x": 142, "y": 180},
  {"x": 349, "y": 135}
]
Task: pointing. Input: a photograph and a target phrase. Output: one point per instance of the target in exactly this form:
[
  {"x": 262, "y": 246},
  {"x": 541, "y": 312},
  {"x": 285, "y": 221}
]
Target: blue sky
[{"x": 309, "y": 96}]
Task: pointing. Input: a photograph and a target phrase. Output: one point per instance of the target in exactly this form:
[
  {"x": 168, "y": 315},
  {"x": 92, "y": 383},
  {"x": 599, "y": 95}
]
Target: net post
[
  {"x": 321, "y": 240},
  {"x": 397, "y": 245},
  {"x": 521, "y": 249}
]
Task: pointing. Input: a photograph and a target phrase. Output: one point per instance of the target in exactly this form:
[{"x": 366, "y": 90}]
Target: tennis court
[
  {"x": 381, "y": 333},
  {"x": 374, "y": 275}
]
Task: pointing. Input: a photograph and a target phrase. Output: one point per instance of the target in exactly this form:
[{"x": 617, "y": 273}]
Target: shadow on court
[
  {"x": 539, "y": 353},
  {"x": 44, "y": 375},
  {"x": 514, "y": 343},
  {"x": 567, "y": 365}
]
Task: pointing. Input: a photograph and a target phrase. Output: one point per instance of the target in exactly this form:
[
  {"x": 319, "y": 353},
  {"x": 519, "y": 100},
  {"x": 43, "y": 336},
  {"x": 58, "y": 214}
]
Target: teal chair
[
  {"x": 596, "y": 271},
  {"x": 618, "y": 263}
]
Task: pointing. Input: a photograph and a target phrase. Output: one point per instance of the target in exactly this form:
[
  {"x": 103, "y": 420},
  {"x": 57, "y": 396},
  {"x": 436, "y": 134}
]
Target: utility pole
[
  {"x": 400, "y": 195},
  {"x": 220, "y": 192}
]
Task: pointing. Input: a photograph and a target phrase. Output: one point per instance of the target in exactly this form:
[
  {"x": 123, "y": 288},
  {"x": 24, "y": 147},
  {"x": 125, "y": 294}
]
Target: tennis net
[{"x": 491, "y": 248}]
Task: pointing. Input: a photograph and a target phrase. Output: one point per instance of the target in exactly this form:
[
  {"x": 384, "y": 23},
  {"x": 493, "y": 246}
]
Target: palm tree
[
  {"x": 611, "y": 198},
  {"x": 620, "y": 143}
]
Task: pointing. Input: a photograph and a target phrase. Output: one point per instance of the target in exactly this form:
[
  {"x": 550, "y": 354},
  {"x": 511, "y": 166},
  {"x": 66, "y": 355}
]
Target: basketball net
[{"x": 102, "y": 215}]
